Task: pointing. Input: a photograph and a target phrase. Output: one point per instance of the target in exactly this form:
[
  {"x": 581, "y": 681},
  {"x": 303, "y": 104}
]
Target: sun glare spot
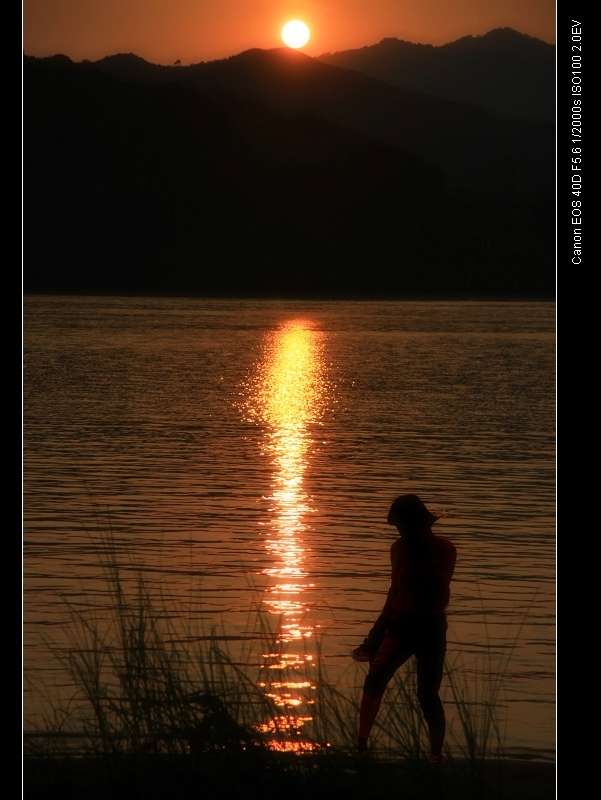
[{"x": 295, "y": 33}]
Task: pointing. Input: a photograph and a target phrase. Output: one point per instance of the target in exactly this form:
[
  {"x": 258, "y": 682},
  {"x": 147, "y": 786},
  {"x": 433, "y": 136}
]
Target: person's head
[{"x": 410, "y": 515}]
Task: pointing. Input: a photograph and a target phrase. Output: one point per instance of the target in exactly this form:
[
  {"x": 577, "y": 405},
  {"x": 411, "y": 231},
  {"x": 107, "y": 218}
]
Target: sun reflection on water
[{"x": 287, "y": 396}]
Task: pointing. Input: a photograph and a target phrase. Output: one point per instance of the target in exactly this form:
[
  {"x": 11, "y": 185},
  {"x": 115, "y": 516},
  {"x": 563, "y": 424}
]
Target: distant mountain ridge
[
  {"x": 273, "y": 174},
  {"x": 505, "y": 71},
  {"x": 472, "y": 145}
]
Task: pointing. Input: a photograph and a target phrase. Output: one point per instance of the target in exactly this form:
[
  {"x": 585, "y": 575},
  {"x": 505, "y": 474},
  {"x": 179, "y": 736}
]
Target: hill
[
  {"x": 271, "y": 173},
  {"x": 504, "y": 71},
  {"x": 472, "y": 145}
]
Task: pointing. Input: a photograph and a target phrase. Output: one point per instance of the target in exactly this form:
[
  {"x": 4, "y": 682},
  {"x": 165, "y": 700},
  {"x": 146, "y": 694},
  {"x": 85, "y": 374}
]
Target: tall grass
[
  {"x": 140, "y": 685},
  {"x": 145, "y": 684}
]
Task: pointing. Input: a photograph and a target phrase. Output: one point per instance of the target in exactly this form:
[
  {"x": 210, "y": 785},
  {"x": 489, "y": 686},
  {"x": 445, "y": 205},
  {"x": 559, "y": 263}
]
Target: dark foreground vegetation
[{"x": 158, "y": 710}]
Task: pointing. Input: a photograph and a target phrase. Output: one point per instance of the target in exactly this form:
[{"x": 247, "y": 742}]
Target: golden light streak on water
[{"x": 288, "y": 398}]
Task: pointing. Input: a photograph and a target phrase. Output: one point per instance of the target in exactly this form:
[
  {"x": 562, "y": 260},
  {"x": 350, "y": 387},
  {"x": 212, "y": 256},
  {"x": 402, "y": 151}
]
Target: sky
[{"x": 191, "y": 31}]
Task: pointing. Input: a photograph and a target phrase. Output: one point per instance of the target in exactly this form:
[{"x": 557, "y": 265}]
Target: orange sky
[{"x": 162, "y": 31}]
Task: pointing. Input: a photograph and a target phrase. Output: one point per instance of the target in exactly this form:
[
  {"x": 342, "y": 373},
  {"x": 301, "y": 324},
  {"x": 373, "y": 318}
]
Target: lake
[{"x": 248, "y": 451}]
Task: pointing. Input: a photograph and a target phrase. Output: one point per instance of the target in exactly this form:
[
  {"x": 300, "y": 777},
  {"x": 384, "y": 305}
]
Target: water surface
[{"x": 251, "y": 449}]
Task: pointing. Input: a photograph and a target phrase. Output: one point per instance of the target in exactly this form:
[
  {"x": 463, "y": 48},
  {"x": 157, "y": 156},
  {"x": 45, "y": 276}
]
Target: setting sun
[{"x": 295, "y": 33}]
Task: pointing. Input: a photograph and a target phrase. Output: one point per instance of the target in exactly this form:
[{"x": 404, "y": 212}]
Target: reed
[{"x": 144, "y": 684}]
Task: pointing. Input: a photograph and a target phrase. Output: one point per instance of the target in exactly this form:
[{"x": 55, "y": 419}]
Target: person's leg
[
  {"x": 368, "y": 711},
  {"x": 390, "y": 656},
  {"x": 429, "y": 657}
]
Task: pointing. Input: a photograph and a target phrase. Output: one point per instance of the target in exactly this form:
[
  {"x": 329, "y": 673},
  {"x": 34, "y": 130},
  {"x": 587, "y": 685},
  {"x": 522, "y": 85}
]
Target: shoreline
[{"x": 255, "y": 775}]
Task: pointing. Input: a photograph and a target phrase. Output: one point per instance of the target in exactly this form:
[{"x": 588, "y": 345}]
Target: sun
[{"x": 295, "y": 33}]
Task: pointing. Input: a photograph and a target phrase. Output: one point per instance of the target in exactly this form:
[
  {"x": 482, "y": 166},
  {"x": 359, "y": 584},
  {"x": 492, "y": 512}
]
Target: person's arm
[
  {"x": 367, "y": 650},
  {"x": 379, "y": 626},
  {"x": 375, "y": 637},
  {"x": 436, "y": 574},
  {"x": 446, "y": 563}
]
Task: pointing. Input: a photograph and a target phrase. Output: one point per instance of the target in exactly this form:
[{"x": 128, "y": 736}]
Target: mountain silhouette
[
  {"x": 472, "y": 145},
  {"x": 273, "y": 174},
  {"x": 504, "y": 71}
]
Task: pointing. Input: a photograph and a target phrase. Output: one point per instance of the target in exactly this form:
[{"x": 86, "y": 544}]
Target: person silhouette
[{"x": 413, "y": 620}]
